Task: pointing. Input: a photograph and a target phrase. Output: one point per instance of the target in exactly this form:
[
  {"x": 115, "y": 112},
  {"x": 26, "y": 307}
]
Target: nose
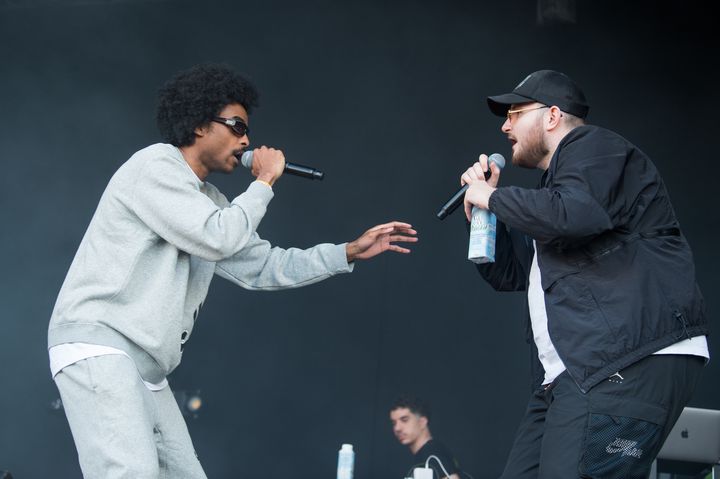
[
  {"x": 244, "y": 141},
  {"x": 506, "y": 126}
]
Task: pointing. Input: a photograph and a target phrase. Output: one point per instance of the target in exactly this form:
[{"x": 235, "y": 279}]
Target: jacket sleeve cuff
[{"x": 492, "y": 201}]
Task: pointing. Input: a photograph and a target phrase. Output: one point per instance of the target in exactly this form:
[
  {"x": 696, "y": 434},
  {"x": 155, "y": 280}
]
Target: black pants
[{"x": 613, "y": 431}]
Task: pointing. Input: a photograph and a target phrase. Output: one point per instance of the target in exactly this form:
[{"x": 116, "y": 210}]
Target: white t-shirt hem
[{"x": 63, "y": 355}]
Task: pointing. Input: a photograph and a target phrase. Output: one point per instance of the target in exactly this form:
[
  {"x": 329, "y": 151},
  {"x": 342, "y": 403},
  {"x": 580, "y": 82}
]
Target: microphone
[
  {"x": 292, "y": 168},
  {"x": 457, "y": 199}
]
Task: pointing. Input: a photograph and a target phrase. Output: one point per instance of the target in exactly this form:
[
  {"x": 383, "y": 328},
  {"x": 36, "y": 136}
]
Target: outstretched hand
[{"x": 379, "y": 239}]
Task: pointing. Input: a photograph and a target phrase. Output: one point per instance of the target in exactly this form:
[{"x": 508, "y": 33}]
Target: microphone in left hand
[{"x": 292, "y": 168}]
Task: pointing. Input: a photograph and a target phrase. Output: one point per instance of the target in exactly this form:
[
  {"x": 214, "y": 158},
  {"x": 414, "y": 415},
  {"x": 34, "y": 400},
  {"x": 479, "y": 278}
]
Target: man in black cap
[{"x": 616, "y": 320}]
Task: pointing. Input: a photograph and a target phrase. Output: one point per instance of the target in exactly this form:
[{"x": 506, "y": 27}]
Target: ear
[
  {"x": 423, "y": 422},
  {"x": 202, "y": 130},
  {"x": 553, "y": 118}
]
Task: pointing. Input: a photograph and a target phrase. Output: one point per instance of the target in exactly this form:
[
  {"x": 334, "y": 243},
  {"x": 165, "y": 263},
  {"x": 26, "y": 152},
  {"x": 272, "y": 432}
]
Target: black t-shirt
[{"x": 435, "y": 448}]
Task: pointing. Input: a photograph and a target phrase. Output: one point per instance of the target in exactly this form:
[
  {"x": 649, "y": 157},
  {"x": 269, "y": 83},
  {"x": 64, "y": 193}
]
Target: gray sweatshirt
[{"x": 158, "y": 236}]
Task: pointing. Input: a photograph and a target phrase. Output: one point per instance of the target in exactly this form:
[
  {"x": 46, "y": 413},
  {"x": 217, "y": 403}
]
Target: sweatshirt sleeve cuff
[
  {"x": 261, "y": 190},
  {"x": 342, "y": 262},
  {"x": 254, "y": 201}
]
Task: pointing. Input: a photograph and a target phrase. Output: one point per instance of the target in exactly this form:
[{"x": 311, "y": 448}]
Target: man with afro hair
[{"x": 139, "y": 278}]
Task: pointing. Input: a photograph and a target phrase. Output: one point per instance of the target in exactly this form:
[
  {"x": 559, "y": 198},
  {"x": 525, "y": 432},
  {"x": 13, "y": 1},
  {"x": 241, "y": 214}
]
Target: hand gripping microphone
[
  {"x": 292, "y": 168},
  {"x": 457, "y": 199}
]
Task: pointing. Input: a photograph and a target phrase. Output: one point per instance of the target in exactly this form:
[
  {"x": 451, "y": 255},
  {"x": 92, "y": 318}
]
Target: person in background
[{"x": 410, "y": 418}]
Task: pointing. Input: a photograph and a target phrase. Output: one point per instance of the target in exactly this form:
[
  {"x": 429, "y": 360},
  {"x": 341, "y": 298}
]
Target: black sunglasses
[{"x": 237, "y": 125}]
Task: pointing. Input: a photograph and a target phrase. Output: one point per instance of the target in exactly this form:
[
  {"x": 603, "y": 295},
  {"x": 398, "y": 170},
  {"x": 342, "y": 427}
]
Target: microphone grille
[
  {"x": 496, "y": 158},
  {"x": 247, "y": 158}
]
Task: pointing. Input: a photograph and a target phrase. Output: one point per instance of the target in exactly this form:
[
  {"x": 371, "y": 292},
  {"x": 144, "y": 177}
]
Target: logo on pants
[{"x": 625, "y": 446}]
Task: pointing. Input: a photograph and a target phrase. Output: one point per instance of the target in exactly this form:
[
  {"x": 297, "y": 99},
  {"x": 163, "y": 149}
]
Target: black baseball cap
[{"x": 547, "y": 87}]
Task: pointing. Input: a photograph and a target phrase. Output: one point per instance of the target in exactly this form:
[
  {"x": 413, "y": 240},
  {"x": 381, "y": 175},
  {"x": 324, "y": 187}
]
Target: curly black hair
[
  {"x": 413, "y": 403},
  {"x": 193, "y": 97}
]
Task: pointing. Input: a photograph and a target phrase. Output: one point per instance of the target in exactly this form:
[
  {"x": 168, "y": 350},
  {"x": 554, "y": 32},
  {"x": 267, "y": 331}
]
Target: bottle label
[{"x": 482, "y": 236}]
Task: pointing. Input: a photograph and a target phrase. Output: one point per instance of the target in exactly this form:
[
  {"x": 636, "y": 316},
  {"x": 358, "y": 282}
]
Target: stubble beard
[{"x": 534, "y": 150}]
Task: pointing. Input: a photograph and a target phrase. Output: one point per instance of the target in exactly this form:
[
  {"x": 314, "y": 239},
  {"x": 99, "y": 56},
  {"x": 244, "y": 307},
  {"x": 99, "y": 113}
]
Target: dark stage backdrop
[{"x": 388, "y": 98}]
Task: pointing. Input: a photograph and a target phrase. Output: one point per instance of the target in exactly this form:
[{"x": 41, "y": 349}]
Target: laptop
[{"x": 694, "y": 438}]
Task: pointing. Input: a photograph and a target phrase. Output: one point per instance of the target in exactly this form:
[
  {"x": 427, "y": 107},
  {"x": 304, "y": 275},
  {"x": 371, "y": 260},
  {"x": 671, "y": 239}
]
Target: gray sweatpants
[{"x": 120, "y": 427}]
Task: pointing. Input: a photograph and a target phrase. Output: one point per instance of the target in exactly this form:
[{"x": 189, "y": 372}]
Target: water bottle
[
  {"x": 483, "y": 226},
  {"x": 346, "y": 462},
  {"x": 482, "y": 236}
]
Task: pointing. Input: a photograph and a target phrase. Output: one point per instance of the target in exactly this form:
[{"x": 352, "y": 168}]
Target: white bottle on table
[{"x": 346, "y": 462}]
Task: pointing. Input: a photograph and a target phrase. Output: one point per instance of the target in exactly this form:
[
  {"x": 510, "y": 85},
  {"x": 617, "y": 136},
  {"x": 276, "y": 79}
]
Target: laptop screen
[{"x": 694, "y": 438}]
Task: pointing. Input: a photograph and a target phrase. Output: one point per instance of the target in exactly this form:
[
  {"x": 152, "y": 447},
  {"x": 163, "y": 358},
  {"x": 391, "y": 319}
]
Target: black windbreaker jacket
[{"x": 618, "y": 275}]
